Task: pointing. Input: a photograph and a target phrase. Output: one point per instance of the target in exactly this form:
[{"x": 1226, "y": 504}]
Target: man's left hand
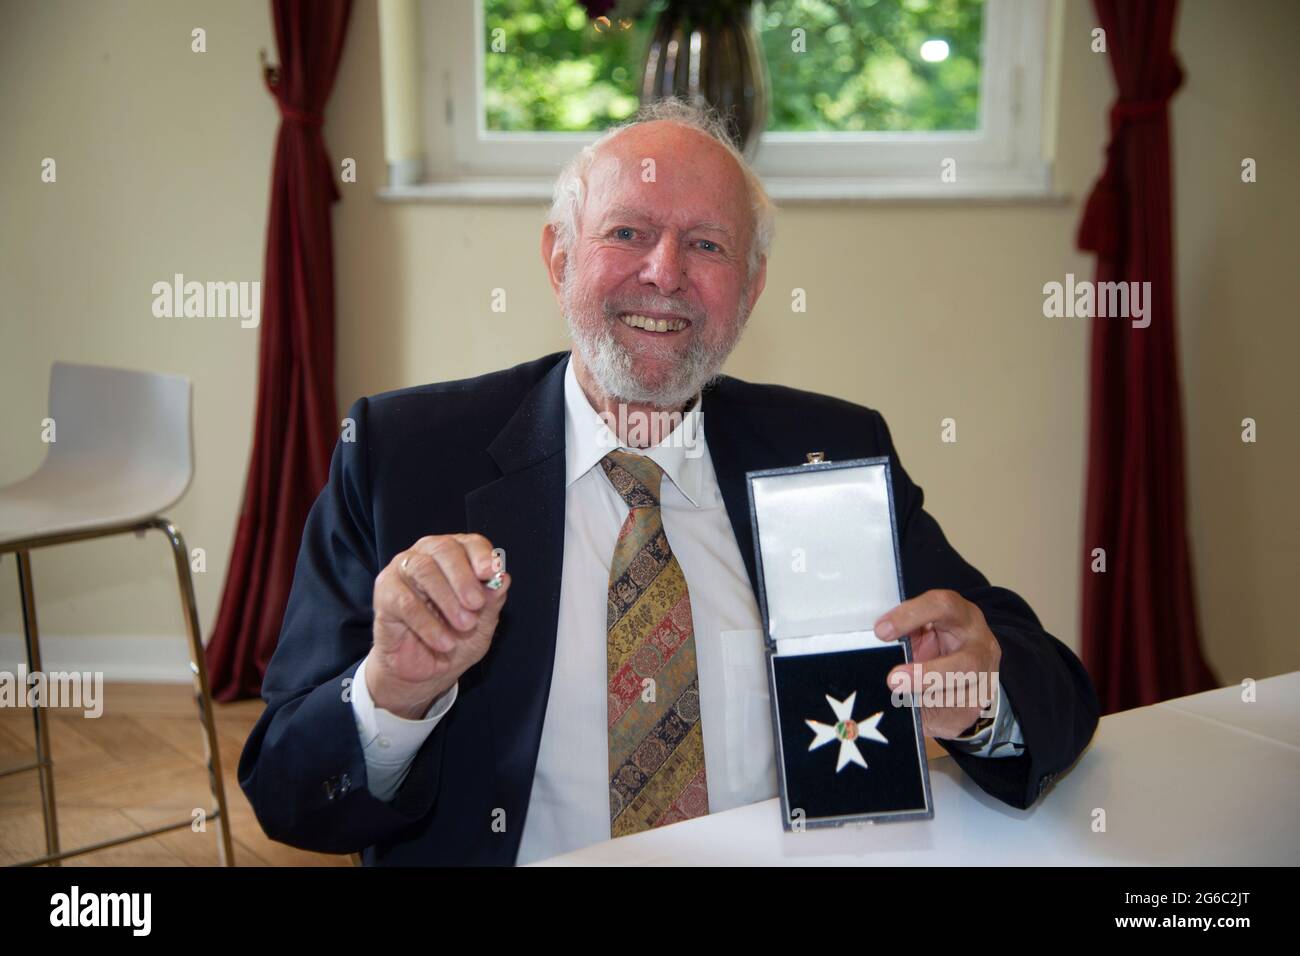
[{"x": 950, "y": 639}]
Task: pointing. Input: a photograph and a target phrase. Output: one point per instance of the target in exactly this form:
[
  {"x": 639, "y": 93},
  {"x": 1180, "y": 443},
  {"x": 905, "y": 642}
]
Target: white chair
[{"x": 122, "y": 455}]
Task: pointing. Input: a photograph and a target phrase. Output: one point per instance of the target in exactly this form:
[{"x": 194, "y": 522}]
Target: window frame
[{"x": 1003, "y": 159}]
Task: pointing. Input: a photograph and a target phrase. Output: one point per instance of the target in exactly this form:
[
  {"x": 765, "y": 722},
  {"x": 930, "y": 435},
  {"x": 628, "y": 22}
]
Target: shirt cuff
[
  {"x": 1001, "y": 738},
  {"x": 388, "y": 740}
]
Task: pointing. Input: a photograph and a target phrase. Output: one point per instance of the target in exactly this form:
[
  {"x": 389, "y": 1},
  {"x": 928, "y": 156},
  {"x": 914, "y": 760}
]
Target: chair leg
[
  {"x": 44, "y": 759},
  {"x": 202, "y": 694}
]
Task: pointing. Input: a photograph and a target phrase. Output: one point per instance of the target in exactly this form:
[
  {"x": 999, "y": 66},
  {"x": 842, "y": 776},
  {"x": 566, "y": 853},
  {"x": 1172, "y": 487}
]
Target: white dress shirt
[{"x": 569, "y": 805}]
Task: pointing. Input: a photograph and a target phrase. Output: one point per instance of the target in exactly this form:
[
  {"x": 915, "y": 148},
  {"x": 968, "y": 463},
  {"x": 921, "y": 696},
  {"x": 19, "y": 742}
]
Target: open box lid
[{"x": 827, "y": 549}]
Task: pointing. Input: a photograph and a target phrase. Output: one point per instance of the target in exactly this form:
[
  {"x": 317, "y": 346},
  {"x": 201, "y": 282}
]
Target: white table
[{"x": 1202, "y": 780}]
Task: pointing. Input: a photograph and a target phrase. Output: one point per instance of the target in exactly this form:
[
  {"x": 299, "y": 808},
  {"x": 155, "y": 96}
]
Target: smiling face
[{"x": 655, "y": 289}]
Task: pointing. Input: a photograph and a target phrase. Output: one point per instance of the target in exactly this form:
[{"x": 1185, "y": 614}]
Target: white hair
[{"x": 570, "y": 192}]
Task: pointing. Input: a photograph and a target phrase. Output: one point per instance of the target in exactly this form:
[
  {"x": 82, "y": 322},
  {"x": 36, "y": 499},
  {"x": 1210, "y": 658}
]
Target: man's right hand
[{"x": 434, "y": 619}]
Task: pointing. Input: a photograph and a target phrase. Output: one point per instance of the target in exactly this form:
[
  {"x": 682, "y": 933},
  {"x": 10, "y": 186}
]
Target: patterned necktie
[{"x": 656, "y": 743}]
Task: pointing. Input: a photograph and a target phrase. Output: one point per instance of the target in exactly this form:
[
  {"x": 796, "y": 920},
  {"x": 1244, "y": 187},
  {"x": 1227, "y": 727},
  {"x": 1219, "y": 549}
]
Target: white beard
[{"x": 614, "y": 367}]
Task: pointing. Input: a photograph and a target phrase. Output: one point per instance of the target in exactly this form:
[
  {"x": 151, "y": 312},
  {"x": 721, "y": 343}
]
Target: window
[
  {"x": 851, "y": 66},
  {"x": 907, "y": 98}
]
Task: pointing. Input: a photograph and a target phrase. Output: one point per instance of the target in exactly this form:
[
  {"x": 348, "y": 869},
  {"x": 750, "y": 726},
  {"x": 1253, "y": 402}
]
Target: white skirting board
[{"x": 155, "y": 659}]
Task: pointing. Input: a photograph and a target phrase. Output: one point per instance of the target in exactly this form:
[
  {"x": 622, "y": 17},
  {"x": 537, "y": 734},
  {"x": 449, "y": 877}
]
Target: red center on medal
[{"x": 847, "y": 729}]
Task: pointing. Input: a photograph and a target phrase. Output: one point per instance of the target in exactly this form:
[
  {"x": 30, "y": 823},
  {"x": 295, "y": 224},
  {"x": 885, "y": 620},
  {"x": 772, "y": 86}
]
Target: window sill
[{"x": 784, "y": 191}]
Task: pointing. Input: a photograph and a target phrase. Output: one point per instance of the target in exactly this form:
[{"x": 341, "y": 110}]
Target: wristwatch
[{"x": 980, "y": 725}]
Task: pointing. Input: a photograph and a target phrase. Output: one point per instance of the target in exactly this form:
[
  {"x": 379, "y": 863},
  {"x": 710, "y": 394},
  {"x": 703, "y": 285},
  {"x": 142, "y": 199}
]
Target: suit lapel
[
  {"x": 736, "y": 446},
  {"x": 523, "y": 512}
]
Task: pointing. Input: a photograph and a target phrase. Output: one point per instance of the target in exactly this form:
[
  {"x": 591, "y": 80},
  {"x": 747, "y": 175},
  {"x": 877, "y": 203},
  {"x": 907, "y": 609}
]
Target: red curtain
[
  {"x": 1140, "y": 640},
  {"x": 296, "y": 421}
]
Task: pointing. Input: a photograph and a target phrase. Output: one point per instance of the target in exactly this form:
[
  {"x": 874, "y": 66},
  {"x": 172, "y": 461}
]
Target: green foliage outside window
[{"x": 861, "y": 69}]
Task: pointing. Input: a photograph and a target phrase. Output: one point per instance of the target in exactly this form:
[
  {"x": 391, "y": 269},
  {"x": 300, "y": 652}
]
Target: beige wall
[
  {"x": 163, "y": 166},
  {"x": 924, "y": 311},
  {"x": 1238, "y": 262}
]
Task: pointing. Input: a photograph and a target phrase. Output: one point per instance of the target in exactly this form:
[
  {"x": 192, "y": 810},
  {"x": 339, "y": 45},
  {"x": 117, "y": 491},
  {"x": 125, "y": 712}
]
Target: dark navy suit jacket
[{"x": 487, "y": 455}]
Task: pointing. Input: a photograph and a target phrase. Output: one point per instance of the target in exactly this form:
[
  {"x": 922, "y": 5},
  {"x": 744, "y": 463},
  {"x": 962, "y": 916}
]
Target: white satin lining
[
  {"x": 828, "y": 551},
  {"x": 829, "y": 643}
]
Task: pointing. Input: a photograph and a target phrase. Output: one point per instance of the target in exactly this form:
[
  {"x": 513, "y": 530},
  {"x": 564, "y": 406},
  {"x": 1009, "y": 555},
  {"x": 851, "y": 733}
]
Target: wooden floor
[{"x": 138, "y": 766}]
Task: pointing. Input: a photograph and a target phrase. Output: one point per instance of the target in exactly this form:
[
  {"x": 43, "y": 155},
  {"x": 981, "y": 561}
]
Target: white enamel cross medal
[{"x": 847, "y": 731}]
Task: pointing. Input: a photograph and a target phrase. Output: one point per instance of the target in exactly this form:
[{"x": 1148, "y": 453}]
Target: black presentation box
[{"x": 826, "y": 543}]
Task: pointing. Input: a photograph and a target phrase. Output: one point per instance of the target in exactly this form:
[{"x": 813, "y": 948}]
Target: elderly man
[{"x": 425, "y": 708}]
